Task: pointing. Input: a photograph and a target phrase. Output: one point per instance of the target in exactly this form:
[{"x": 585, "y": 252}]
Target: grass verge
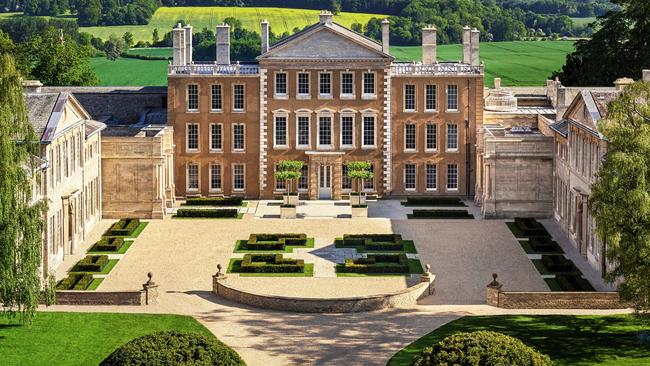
[{"x": 93, "y": 285}]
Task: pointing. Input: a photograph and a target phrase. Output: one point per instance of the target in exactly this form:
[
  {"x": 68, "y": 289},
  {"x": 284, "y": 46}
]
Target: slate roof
[
  {"x": 93, "y": 127},
  {"x": 602, "y": 98},
  {"x": 561, "y": 127},
  {"x": 39, "y": 109}
]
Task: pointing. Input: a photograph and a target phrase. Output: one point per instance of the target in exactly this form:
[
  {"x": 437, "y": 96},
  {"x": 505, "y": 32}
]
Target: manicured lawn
[
  {"x": 152, "y": 51},
  {"x": 130, "y": 71},
  {"x": 106, "y": 270},
  {"x": 415, "y": 267},
  {"x": 287, "y": 249},
  {"x": 235, "y": 267},
  {"x": 93, "y": 285},
  {"x": 568, "y": 340},
  {"x": 139, "y": 229},
  {"x": 409, "y": 247},
  {"x": 127, "y": 244},
  {"x": 67, "y": 339}
]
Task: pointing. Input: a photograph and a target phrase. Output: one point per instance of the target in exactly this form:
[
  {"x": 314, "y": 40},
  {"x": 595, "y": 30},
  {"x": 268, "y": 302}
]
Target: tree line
[{"x": 575, "y": 8}]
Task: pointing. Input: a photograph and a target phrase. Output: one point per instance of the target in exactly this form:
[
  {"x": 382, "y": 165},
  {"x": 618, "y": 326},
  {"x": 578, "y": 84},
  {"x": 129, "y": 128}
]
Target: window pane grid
[
  {"x": 452, "y": 176},
  {"x": 452, "y": 97},
  {"x": 303, "y": 131},
  {"x": 238, "y": 137},
  {"x": 280, "y": 131},
  {"x": 409, "y": 176},
  {"x": 216, "y": 98},
  {"x": 409, "y": 97},
  {"x": 238, "y": 97},
  {"x": 215, "y": 141},
  {"x": 409, "y": 137},
  {"x": 238, "y": 177},
  {"x": 430, "y": 98},
  {"x": 432, "y": 137},
  {"x": 325, "y": 85},
  {"x": 303, "y": 182},
  {"x": 192, "y": 136},
  {"x": 303, "y": 83},
  {"x": 369, "y": 184},
  {"x": 325, "y": 131},
  {"x": 346, "y": 182},
  {"x": 281, "y": 83},
  {"x": 215, "y": 177},
  {"x": 368, "y": 83},
  {"x": 347, "y": 131},
  {"x": 347, "y": 86},
  {"x": 193, "y": 97},
  {"x": 369, "y": 131},
  {"x": 452, "y": 137},
  {"x": 192, "y": 177},
  {"x": 432, "y": 176}
]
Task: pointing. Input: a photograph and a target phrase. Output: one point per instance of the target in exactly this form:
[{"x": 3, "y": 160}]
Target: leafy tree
[
  {"x": 335, "y": 6},
  {"x": 155, "y": 37},
  {"x": 619, "y": 48},
  {"x": 21, "y": 220},
  {"x": 89, "y": 12},
  {"x": 128, "y": 39},
  {"x": 623, "y": 183},
  {"x": 289, "y": 171},
  {"x": 114, "y": 47},
  {"x": 358, "y": 171}
]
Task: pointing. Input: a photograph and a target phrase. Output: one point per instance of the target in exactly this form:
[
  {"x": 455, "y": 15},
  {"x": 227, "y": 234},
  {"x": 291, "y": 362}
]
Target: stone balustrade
[
  {"x": 213, "y": 69},
  {"x": 441, "y": 68}
]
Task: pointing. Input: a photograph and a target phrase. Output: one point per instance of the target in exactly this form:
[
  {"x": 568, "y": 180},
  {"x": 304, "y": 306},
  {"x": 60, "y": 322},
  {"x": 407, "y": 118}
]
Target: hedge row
[
  {"x": 124, "y": 227},
  {"x": 209, "y": 213},
  {"x": 144, "y": 57},
  {"x": 108, "y": 244},
  {"x": 271, "y": 263},
  {"x": 91, "y": 263},
  {"x": 558, "y": 264},
  {"x": 434, "y": 201},
  {"x": 544, "y": 244},
  {"x": 531, "y": 227},
  {"x": 274, "y": 241},
  {"x": 387, "y": 242},
  {"x": 75, "y": 282},
  {"x": 214, "y": 201},
  {"x": 377, "y": 263},
  {"x": 573, "y": 283},
  {"x": 440, "y": 214}
]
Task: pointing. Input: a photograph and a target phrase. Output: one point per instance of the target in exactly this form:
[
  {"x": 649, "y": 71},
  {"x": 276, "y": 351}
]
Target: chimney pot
[
  {"x": 32, "y": 86},
  {"x": 325, "y": 17},
  {"x": 621, "y": 83}
]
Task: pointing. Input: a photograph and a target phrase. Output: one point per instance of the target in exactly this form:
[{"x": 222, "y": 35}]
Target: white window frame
[
  {"x": 187, "y": 100},
  {"x": 347, "y": 95},
  {"x": 415, "y": 99},
  {"x": 371, "y": 180},
  {"x": 365, "y": 95},
  {"x": 435, "y": 98},
  {"x": 285, "y": 115},
  {"x": 415, "y": 177},
  {"x": 212, "y": 149},
  {"x": 447, "y": 139},
  {"x": 212, "y": 165},
  {"x": 277, "y": 95},
  {"x": 216, "y": 110},
  {"x": 350, "y": 115},
  {"x": 426, "y": 177},
  {"x": 457, "y": 178},
  {"x": 329, "y": 115},
  {"x": 303, "y": 114},
  {"x": 363, "y": 130},
  {"x": 415, "y": 137},
  {"x": 305, "y": 174},
  {"x": 321, "y": 95},
  {"x": 233, "y": 137},
  {"x": 243, "y": 177},
  {"x": 426, "y": 137},
  {"x": 303, "y": 95},
  {"x": 239, "y": 110},
  {"x": 187, "y": 137},
  {"x": 343, "y": 178},
  {"x": 198, "y": 177},
  {"x": 457, "y": 97}
]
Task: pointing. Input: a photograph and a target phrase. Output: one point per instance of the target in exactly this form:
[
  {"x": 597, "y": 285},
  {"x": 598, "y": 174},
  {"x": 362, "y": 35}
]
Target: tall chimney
[
  {"x": 646, "y": 75},
  {"x": 178, "y": 39},
  {"x": 385, "y": 33},
  {"x": 325, "y": 17},
  {"x": 466, "y": 45},
  {"x": 474, "y": 47},
  {"x": 560, "y": 103},
  {"x": 188, "y": 44},
  {"x": 223, "y": 44},
  {"x": 429, "y": 45},
  {"x": 265, "y": 36}
]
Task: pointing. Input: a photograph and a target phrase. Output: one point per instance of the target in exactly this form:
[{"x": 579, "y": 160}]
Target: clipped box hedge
[
  {"x": 214, "y": 201},
  {"x": 91, "y": 263},
  {"x": 207, "y": 213},
  {"x": 573, "y": 283},
  {"x": 124, "y": 227},
  {"x": 440, "y": 214},
  {"x": 275, "y": 241},
  {"x": 271, "y": 263},
  {"x": 75, "y": 282},
  {"x": 377, "y": 263},
  {"x": 108, "y": 244},
  {"x": 531, "y": 227},
  {"x": 387, "y": 242},
  {"x": 558, "y": 264},
  {"x": 434, "y": 201},
  {"x": 544, "y": 244}
]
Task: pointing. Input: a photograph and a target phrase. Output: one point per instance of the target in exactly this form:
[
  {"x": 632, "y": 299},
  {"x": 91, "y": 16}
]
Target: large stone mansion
[{"x": 324, "y": 96}]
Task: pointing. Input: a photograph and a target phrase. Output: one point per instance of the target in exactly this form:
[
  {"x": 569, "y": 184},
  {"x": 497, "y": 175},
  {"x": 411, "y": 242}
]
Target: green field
[
  {"x": 80, "y": 338},
  {"x": 516, "y": 63},
  {"x": 281, "y": 20},
  {"x": 583, "y": 21},
  {"x": 568, "y": 340}
]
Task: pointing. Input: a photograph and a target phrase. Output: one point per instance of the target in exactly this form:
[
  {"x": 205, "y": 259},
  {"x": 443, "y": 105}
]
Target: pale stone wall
[
  {"x": 553, "y": 300},
  {"x": 101, "y": 298}
]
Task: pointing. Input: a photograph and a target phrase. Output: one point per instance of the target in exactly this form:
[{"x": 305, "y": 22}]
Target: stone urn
[{"x": 288, "y": 211}]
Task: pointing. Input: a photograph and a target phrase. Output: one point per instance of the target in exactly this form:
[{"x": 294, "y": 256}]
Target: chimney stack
[
  {"x": 178, "y": 39},
  {"x": 497, "y": 83},
  {"x": 429, "y": 45},
  {"x": 265, "y": 36},
  {"x": 474, "y": 47},
  {"x": 223, "y": 44},
  {"x": 325, "y": 17},
  {"x": 646, "y": 75},
  {"x": 188, "y": 44},
  {"x": 622, "y": 83},
  {"x": 32, "y": 86},
  {"x": 560, "y": 102},
  {"x": 466, "y": 45},
  {"x": 385, "y": 33}
]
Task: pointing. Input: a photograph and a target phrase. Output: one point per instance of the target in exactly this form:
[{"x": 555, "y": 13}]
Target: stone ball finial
[
  {"x": 149, "y": 274},
  {"x": 495, "y": 283},
  {"x": 494, "y": 276},
  {"x": 218, "y": 269}
]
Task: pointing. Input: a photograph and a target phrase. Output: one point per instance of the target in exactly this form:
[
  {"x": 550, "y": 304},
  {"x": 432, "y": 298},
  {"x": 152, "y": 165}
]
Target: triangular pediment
[{"x": 326, "y": 42}]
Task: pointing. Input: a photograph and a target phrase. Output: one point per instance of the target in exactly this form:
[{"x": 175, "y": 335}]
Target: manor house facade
[{"x": 324, "y": 96}]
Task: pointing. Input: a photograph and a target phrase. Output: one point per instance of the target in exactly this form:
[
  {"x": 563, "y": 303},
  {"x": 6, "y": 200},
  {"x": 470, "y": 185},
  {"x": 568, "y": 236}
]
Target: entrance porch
[{"x": 325, "y": 174}]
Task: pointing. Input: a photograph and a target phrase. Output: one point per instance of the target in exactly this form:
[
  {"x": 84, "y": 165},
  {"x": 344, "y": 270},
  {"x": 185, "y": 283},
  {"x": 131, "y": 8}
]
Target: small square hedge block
[
  {"x": 91, "y": 263},
  {"x": 377, "y": 263},
  {"x": 440, "y": 214},
  {"x": 108, "y": 244},
  {"x": 275, "y": 241},
  {"x": 75, "y": 282},
  {"x": 214, "y": 201},
  {"x": 124, "y": 227},
  {"x": 207, "y": 213},
  {"x": 387, "y": 242},
  {"x": 271, "y": 263}
]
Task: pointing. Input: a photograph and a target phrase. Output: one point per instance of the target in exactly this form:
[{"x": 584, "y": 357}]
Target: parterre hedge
[
  {"x": 377, "y": 263},
  {"x": 271, "y": 263},
  {"x": 274, "y": 241},
  {"x": 387, "y": 242},
  {"x": 207, "y": 213},
  {"x": 108, "y": 244},
  {"x": 573, "y": 283},
  {"x": 531, "y": 227},
  {"x": 544, "y": 244},
  {"x": 214, "y": 201},
  {"x": 433, "y": 201},
  {"x": 75, "y": 282},
  {"x": 91, "y": 263},
  {"x": 558, "y": 264},
  {"x": 124, "y": 227},
  {"x": 440, "y": 214}
]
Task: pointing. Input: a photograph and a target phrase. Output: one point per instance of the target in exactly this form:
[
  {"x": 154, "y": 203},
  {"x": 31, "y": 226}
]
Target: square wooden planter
[
  {"x": 288, "y": 212},
  {"x": 356, "y": 200},
  {"x": 290, "y": 199}
]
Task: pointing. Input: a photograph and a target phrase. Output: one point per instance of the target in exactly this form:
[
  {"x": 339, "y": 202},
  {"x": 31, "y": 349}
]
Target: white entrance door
[{"x": 325, "y": 182}]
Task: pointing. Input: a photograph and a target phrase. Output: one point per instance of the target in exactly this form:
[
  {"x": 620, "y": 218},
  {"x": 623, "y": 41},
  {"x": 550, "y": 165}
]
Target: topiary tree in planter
[
  {"x": 174, "y": 348},
  {"x": 358, "y": 172},
  {"x": 482, "y": 348},
  {"x": 289, "y": 171}
]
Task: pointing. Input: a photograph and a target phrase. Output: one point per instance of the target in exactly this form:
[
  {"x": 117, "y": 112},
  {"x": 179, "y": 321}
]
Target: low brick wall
[
  {"x": 554, "y": 300},
  {"x": 406, "y": 297},
  {"x": 100, "y": 298}
]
